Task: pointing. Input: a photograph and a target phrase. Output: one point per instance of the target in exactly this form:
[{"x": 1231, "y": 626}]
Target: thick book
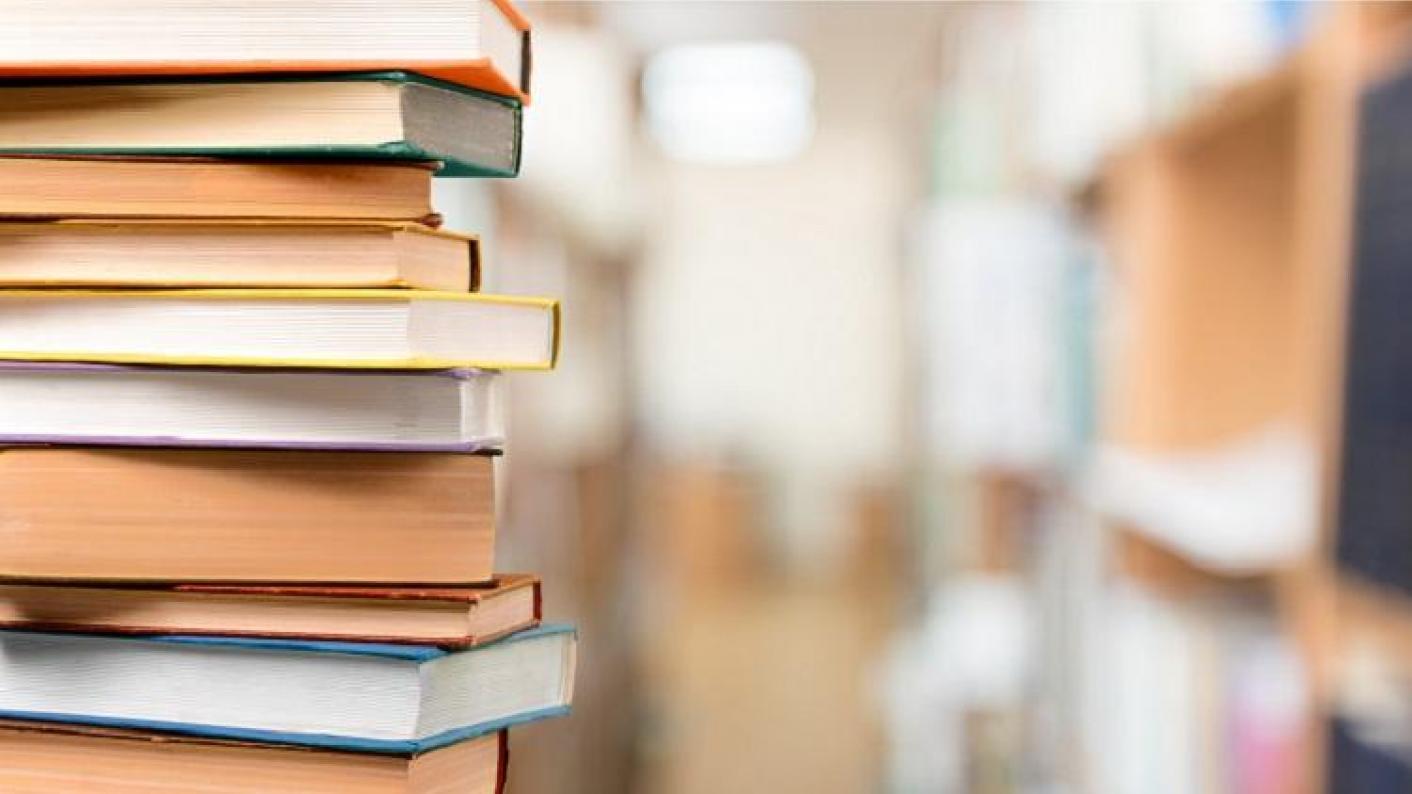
[
  {"x": 367, "y": 697},
  {"x": 1374, "y": 500},
  {"x": 483, "y": 44},
  {"x": 236, "y": 253},
  {"x": 135, "y": 187},
  {"x": 341, "y": 329},
  {"x": 43, "y": 758},
  {"x": 447, "y": 617},
  {"x": 185, "y": 515},
  {"x": 106, "y": 404},
  {"x": 380, "y": 115}
]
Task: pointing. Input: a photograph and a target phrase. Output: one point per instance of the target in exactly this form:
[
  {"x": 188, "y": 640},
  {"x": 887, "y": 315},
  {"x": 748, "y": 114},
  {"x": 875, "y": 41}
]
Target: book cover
[
  {"x": 411, "y": 653},
  {"x": 39, "y": 757},
  {"x": 489, "y": 443},
  {"x": 476, "y": 73},
  {"x": 549, "y": 306},
  {"x": 283, "y": 611},
  {"x": 81, "y": 514},
  {"x": 448, "y": 165},
  {"x": 227, "y": 253},
  {"x": 43, "y": 187}
]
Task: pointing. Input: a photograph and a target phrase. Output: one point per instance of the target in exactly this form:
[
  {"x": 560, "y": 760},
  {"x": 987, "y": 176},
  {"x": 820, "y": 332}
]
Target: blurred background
[{"x": 953, "y": 396}]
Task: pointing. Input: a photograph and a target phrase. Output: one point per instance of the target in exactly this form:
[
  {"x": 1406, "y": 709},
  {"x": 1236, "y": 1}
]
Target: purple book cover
[{"x": 489, "y": 443}]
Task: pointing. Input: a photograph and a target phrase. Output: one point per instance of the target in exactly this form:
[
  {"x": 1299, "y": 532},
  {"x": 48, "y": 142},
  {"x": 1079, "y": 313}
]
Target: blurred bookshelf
[
  {"x": 1147, "y": 449},
  {"x": 1231, "y": 233}
]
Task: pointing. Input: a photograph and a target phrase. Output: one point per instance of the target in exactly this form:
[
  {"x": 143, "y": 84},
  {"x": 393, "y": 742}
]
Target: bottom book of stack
[
  {"x": 38, "y": 758},
  {"x": 229, "y": 714}
]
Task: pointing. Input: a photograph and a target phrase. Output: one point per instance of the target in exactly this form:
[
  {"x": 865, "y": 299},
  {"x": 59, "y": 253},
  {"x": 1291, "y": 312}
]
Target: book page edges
[
  {"x": 282, "y": 293},
  {"x": 353, "y": 224},
  {"x": 479, "y": 73},
  {"x": 280, "y": 363}
]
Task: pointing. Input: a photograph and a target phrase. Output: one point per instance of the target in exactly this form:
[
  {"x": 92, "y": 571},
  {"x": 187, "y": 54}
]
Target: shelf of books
[
  {"x": 247, "y": 401},
  {"x": 1258, "y": 426}
]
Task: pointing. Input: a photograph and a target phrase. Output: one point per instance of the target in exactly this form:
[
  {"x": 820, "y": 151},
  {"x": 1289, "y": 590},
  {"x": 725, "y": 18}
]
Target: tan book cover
[
  {"x": 42, "y": 758},
  {"x": 237, "y": 253},
  {"x": 208, "y": 515},
  {"x": 164, "y": 187},
  {"x": 449, "y": 617}
]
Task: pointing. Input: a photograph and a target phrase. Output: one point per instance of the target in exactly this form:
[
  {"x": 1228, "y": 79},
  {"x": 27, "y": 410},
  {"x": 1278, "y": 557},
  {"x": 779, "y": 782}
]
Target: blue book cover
[{"x": 93, "y": 656}]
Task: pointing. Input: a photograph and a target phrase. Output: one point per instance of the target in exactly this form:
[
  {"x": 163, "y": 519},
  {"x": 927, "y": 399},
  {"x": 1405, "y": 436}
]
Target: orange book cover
[{"x": 479, "y": 74}]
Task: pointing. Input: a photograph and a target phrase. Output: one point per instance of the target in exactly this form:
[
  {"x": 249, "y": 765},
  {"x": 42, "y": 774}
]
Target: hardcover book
[
  {"x": 187, "y": 515},
  {"x": 236, "y": 253},
  {"x": 380, "y": 115},
  {"x": 375, "y": 329},
  {"x": 103, "y": 404},
  {"x": 135, "y": 187},
  {"x": 366, "y": 697},
  {"x": 482, "y": 44},
  {"x": 448, "y": 617},
  {"x": 1374, "y": 502},
  {"x": 41, "y": 758}
]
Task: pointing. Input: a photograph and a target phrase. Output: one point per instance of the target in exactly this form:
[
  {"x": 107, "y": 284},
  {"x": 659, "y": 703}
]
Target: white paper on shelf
[{"x": 1246, "y": 506}]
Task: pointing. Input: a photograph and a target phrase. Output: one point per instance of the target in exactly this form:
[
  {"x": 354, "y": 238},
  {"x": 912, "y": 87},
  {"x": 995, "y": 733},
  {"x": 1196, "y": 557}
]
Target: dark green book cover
[{"x": 481, "y": 136}]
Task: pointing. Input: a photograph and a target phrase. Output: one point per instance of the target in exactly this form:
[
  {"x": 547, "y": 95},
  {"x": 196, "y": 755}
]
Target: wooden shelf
[
  {"x": 1158, "y": 566},
  {"x": 1224, "y": 115},
  {"x": 1368, "y": 613}
]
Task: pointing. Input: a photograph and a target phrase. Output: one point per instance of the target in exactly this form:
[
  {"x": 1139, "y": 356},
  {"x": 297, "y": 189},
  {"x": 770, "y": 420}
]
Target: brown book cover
[
  {"x": 253, "y": 516},
  {"x": 192, "y": 187},
  {"x": 39, "y": 758},
  {"x": 449, "y": 617},
  {"x": 237, "y": 252}
]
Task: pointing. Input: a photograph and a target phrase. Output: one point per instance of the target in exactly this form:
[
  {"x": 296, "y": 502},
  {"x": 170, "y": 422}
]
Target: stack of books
[{"x": 247, "y": 524}]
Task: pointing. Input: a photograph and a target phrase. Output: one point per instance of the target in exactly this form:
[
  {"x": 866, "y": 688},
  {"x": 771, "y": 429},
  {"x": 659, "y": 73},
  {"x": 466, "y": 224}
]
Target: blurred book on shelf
[
  {"x": 1228, "y": 686},
  {"x": 1364, "y": 764},
  {"x": 1370, "y": 727},
  {"x": 1375, "y": 504}
]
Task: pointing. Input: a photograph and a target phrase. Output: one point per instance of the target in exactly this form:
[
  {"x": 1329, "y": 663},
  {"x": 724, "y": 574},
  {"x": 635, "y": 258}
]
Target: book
[
  {"x": 236, "y": 253},
  {"x": 478, "y": 43},
  {"x": 367, "y": 697},
  {"x": 38, "y": 758},
  {"x": 103, "y": 404},
  {"x": 1362, "y": 764},
  {"x": 378, "y": 329},
  {"x": 1374, "y": 503},
  {"x": 376, "y": 115},
  {"x": 448, "y": 617},
  {"x": 108, "y": 187},
  {"x": 188, "y": 515}
]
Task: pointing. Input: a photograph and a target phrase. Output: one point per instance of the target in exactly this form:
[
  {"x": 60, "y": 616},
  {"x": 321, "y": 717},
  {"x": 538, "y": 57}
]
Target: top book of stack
[{"x": 482, "y": 44}]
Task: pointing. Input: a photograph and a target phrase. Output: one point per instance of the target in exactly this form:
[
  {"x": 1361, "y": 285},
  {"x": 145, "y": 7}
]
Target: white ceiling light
[{"x": 730, "y": 103}]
